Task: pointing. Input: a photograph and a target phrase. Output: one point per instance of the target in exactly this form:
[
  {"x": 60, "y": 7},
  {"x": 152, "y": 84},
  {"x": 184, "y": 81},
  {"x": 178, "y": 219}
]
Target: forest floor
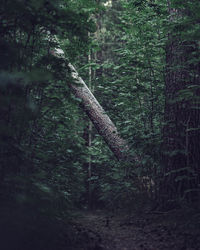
[
  {"x": 150, "y": 231},
  {"x": 22, "y": 228}
]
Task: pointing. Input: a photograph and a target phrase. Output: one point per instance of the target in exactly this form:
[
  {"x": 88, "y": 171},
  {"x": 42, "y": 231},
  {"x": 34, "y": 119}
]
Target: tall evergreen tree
[{"x": 182, "y": 107}]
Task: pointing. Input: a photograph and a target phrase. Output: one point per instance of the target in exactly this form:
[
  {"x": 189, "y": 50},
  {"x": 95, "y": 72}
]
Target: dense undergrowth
[{"x": 141, "y": 61}]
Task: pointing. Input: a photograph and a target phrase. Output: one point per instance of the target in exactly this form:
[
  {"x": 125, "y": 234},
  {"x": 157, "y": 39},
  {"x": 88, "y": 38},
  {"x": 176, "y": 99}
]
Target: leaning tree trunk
[
  {"x": 98, "y": 116},
  {"x": 95, "y": 112}
]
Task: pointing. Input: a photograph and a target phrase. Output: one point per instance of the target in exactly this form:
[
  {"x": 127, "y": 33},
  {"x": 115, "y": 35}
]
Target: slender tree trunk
[{"x": 90, "y": 141}]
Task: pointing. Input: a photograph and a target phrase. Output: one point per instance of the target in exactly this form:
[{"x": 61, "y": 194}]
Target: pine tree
[{"x": 182, "y": 108}]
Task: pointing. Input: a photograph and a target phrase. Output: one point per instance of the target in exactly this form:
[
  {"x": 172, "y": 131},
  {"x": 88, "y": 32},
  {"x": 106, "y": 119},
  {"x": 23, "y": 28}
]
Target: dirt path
[{"x": 133, "y": 233}]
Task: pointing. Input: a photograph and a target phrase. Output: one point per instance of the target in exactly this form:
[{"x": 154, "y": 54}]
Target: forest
[{"x": 99, "y": 125}]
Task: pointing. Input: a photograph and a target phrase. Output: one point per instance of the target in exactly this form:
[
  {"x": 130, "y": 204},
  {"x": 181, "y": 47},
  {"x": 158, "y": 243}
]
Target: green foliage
[
  {"x": 41, "y": 147},
  {"x": 44, "y": 152}
]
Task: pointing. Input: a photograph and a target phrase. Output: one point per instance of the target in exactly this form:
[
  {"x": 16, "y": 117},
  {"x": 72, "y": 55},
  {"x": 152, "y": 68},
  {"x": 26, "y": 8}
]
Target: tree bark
[
  {"x": 98, "y": 116},
  {"x": 95, "y": 112},
  {"x": 181, "y": 134},
  {"x": 90, "y": 140}
]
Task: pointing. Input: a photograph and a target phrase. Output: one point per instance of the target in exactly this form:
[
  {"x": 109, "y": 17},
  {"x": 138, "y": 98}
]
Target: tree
[
  {"x": 96, "y": 113},
  {"x": 181, "y": 134},
  {"x": 39, "y": 120}
]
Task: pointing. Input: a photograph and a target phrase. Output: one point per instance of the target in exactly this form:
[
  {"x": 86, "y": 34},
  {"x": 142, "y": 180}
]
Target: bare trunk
[
  {"x": 181, "y": 134},
  {"x": 90, "y": 141},
  {"x": 97, "y": 115}
]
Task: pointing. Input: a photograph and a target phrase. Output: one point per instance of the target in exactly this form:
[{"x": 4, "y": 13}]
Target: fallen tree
[{"x": 95, "y": 112}]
